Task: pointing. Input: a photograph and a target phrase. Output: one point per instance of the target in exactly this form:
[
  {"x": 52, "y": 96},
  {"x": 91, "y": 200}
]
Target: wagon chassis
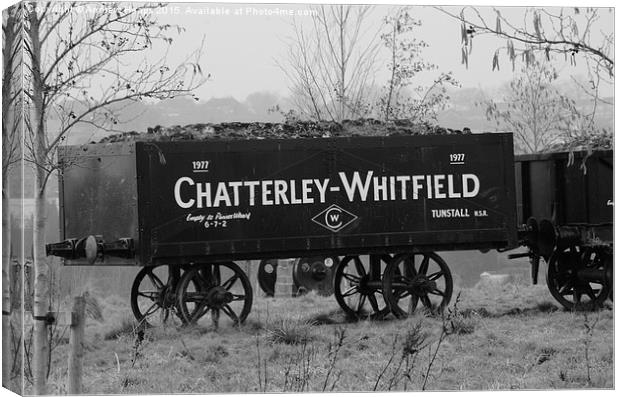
[{"x": 363, "y": 289}]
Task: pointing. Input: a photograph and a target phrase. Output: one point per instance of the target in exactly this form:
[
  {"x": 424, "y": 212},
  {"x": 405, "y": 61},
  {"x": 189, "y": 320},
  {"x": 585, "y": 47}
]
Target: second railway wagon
[{"x": 381, "y": 206}]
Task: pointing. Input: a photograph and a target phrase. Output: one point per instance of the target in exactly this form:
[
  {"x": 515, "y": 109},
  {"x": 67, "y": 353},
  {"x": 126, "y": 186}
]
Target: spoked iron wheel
[
  {"x": 153, "y": 296},
  {"x": 215, "y": 288},
  {"x": 419, "y": 277},
  {"x": 358, "y": 288},
  {"x": 580, "y": 278}
]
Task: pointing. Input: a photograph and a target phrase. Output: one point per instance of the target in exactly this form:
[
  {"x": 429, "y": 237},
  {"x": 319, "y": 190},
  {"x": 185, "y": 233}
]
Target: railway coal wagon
[
  {"x": 378, "y": 207},
  {"x": 565, "y": 206}
]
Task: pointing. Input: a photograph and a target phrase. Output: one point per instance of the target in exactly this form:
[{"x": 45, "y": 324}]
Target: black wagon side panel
[
  {"x": 99, "y": 196},
  {"x": 566, "y": 189},
  {"x": 218, "y": 200}
]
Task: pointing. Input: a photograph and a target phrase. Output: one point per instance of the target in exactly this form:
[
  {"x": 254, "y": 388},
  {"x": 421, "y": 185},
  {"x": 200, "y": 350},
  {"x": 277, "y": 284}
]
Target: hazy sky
[{"x": 242, "y": 47}]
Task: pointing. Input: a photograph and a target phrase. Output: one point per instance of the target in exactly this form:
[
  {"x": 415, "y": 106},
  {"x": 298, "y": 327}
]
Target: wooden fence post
[{"x": 76, "y": 348}]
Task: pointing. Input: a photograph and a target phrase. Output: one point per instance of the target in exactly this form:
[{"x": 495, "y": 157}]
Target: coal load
[{"x": 299, "y": 129}]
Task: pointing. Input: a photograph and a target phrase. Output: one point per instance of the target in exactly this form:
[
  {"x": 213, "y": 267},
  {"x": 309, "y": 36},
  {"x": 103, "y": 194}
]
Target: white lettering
[
  {"x": 356, "y": 184},
  {"x": 475, "y": 190},
  {"x": 221, "y": 194},
  {"x": 416, "y": 185},
  {"x": 322, "y": 188},
  {"x": 294, "y": 198},
  {"x": 203, "y": 195},
  {"x": 392, "y": 188},
  {"x": 235, "y": 186},
  {"x": 451, "y": 192},
  {"x": 429, "y": 184},
  {"x": 306, "y": 189},
  {"x": 177, "y": 192},
  {"x": 439, "y": 186},
  {"x": 252, "y": 185},
  {"x": 380, "y": 187},
  {"x": 403, "y": 185},
  {"x": 266, "y": 192},
  {"x": 309, "y": 191},
  {"x": 280, "y": 188}
]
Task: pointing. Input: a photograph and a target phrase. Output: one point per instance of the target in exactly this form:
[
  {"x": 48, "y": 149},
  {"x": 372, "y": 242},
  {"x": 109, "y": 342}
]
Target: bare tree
[
  {"x": 406, "y": 63},
  {"x": 542, "y": 30},
  {"x": 11, "y": 134},
  {"x": 576, "y": 34},
  {"x": 80, "y": 67},
  {"x": 331, "y": 64},
  {"x": 534, "y": 109}
]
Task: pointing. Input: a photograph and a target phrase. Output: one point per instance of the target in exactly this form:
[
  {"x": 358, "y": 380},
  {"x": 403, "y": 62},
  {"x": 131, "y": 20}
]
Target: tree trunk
[
  {"x": 9, "y": 28},
  {"x": 7, "y": 356},
  {"x": 76, "y": 348},
  {"x": 40, "y": 305}
]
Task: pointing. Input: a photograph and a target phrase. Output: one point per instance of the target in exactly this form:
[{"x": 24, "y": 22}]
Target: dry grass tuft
[
  {"x": 462, "y": 325},
  {"x": 289, "y": 331}
]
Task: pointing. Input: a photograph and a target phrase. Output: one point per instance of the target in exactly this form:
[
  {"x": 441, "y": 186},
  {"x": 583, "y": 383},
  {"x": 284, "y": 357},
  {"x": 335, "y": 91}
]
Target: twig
[
  {"x": 260, "y": 382},
  {"x": 186, "y": 349},
  {"x": 387, "y": 365},
  {"x": 589, "y": 327},
  {"x": 333, "y": 352}
]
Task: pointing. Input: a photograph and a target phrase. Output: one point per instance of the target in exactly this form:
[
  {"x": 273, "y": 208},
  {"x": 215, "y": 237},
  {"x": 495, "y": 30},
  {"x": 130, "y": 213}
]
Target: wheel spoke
[
  {"x": 203, "y": 279},
  {"x": 238, "y": 297},
  {"x": 409, "y": 266},
  {"x": 199, "y": 311},
  {"x": 436, "y": 291},
  {"x": 402, "y": 293},
  {"x": 576, "y": 295},
  {"x": 373, "y": 302},
  {"x": 351, "y": 277},
  {"x": 149, "y": 312},
  {"x": 152, "y": 295},
  {"x": 590, "y": 292},
  {"x": 566, "y": 290},
  {"x": 155, "y": 280},
  {"x": 435, "y": 276},
  {"x": 229, "y": 283},
  {"x": 230, "y": 313},
  {"x": 217, "y": 276},
  {"x": 351, "y": 291},
  {"x": 426, "y": 301},
  {"x": 163, "y": 315},
  {"x": 424, "y": 265},
  {"x": 360, "y": 303},
  {"x": 413, "y": 302},
  {"x": 359, "y": 266},
  {"x": 215, "y": 317}
]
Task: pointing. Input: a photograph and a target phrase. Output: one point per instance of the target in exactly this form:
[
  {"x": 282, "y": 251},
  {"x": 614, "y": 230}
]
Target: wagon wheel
[
  {"x": 358, "y": 287},
  {"x": 153, "y": 295},
  {"x": 411, "y": 278},
  {"x": 221, "y": 287},
  {"x": 267, "y": 276},
  {"x": 579, "y": 278}
]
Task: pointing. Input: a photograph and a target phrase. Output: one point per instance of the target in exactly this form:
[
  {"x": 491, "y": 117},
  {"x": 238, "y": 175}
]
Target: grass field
[{"x": 496, "y": 338}]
